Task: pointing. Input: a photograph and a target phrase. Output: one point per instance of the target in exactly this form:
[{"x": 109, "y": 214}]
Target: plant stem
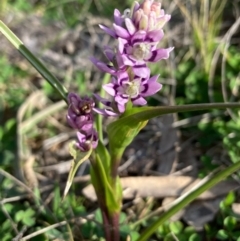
[
  {"x": 206, "y": 184},
  {"x": 99, "y": 118},
  {"x": 110, "y": 221},
  {"x": 110, "y": 218},
  {"x": 34, "y": 61},
  {"x": 106, "y": 224}
]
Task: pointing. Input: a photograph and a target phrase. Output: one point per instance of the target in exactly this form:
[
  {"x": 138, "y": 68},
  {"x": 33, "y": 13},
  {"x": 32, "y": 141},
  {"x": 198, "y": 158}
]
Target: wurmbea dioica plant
[{"x": 137, "y": 33}]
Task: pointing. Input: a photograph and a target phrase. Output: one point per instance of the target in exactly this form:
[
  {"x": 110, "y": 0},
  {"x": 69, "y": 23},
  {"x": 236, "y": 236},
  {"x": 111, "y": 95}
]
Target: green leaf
[
  {"x": 176, "y": 227},
  {"x": 29, "y": 221},
  {"x": 104, "y": 154},
  {"x": 98, "y": 216},
  {"x": 229, "y": 200},
  {"x": 122, "y": 218},
  {"x": 102, "y": 186},
  {"x": 224, "y": 208},
  {"x": 134, "y": 235},
  {"x": 6, "y": 237},
  {"x": 163, "y": 230},
  {"x": 34, "y": 61},
  {"x": 194, "y": 237},
  {"x": 55, "y": 234},
  {"x": 78, "y": 158},
  {"x": 8, "y": 207},
  {"x": 122, "y": 131},
  {"x": 169, "y": 237},
  {"x": 19, "y": 215},
  {"x": 26, "y": 217},
  {"x": 124, "y": 230},
  {"x": 205, "y": 184},
  {"x": 222, "y": 235},
  {"x": 56, "y": 199},
  {"x": 236, "y": 235},
  {"x": 189, "y": 230},
  {"x": 29, "y": 212},
  {"x": 5, "y": 226},
  {"x": 230, "y": 223}
]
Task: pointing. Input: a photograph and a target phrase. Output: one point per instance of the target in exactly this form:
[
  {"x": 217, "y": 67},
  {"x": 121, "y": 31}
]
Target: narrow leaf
[
  {"x": 132, "y": 122},
  {"x": 78, "y": 158},
  {"x": 102, "y": 151},
  {"x": 34, "y": 61},
  {"x": 206, "y": 184}
]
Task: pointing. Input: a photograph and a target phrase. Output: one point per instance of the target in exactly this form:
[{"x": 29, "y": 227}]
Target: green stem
[
  {"x": 206, "y": 184},
  {"x": 99, "y": 118},
  {"x": 110, "y": 218},
  {"x": 116, "y": 156},
  {"x": 17, "y": 43}
]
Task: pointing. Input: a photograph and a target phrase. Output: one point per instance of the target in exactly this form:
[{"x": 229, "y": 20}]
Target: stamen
[
  {"x": 141, "y": 51},
  {"x": 132, "y": 89}
]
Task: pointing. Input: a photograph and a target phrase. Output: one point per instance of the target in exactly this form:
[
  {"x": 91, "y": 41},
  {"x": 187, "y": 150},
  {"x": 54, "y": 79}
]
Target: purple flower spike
[
  {"x": 138, "y": 32},
  {"x": 80, "y": 117}
]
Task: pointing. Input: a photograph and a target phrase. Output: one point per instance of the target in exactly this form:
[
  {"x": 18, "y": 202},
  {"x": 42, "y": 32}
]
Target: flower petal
[
  {"x": 141, "y": 70},
  {"x": 151, "y": 87},
  {"x": 159, "y": 54},
  {"x": 139, "y": 101},
  {"x": 127, "y": 61},
  {"x": 121, "y": 44},
  {"x": 71, "y": 122},
  {"x": 110, "y": 89},
  {"x": 108, "y": 31},
  {"x": 121, "y": 99},
  {"x": 122, "y": 77},
  {"x": 154, "y": 36},
  {"x": 121, "y": 108},
  {"x": 135, "y": 7},
  {"x": 87, "y": 128},
  {"x": 121, "y": 32},
  {"x": 105, "y": 112},
  {"x": 106, "y": 102},
  {"x": 162, "y": 20},
  {"x": 102, "y": 66},
  {"x": 118, "y": 19},
  {"x": 138, "y": 37},
  {"x": 109, "y": 52},
  {"x": 130, "y": 26},
  {"x": 81, "y": 137}
]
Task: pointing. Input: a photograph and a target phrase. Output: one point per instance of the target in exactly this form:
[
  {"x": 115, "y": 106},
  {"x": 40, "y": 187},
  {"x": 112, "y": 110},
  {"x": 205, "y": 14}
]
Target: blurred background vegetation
[{"x": 204, "y": 68}]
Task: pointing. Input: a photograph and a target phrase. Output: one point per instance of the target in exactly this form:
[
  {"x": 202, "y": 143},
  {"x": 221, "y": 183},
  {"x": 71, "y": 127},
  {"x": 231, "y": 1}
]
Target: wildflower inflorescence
[
  {"x": 138, "y": 32},
  {"x": 80, "y": 117}
]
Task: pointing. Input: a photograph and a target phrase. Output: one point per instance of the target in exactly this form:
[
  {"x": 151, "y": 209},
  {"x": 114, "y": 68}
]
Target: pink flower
[
  {"x": 130, "y": 87},
  {"x": 80, "y": 117}
]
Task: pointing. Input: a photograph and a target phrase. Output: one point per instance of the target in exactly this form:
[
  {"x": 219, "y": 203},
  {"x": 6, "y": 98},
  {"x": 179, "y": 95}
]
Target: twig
[
  {"x": 10, "y": 219},
  {"x": 43, "y": 230},
  {"x": 56, "y": 225}
]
